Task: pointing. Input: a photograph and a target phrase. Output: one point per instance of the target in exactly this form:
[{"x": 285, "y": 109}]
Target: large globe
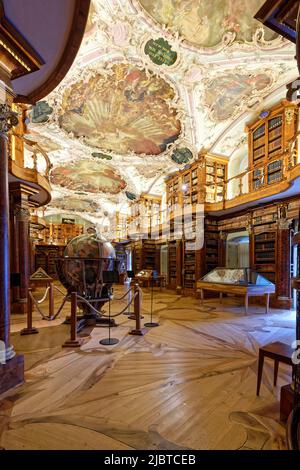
[
  {"x": 90, "y": 245},
  {"x": 84, "y": 267}
]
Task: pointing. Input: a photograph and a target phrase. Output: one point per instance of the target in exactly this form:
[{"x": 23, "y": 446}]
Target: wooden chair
[{"x": 279, "y": 352}]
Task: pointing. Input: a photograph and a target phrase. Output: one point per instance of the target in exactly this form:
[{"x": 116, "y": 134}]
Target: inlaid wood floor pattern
[{"x": 188, "y": 384}]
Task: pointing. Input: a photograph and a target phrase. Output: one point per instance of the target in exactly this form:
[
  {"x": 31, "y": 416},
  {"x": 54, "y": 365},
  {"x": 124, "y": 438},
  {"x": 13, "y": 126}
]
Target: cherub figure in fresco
[{"x": 126, "y": 111}]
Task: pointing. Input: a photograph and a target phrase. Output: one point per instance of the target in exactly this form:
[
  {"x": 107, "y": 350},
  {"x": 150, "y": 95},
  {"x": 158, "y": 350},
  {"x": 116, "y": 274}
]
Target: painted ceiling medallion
[
  {"x": 205, "y": 23},
  {"x": 182, "y": 155},
  {"x": 160, "y": 52},
  {"x": 130, "y": 196},
  {"x": 123, "y": 112},
  {"x": 101, "y": 156},
  {"x": 41, "y": 112},
  {"x": 227, "y": 93},
  {"x": 88, "y": 176}
]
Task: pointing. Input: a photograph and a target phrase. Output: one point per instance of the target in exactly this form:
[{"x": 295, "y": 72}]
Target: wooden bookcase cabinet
[
  {"x": 202, "y": 181},
  {"x": 268, "y": 141},
  {"x": 61, "y": 234},
  {"x": 45, "y": 258},
  {"x": 146, "y": 255}
]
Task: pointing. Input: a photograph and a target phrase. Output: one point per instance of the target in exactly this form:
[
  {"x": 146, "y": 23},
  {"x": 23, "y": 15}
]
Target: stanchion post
[
  {"x": 109, "y": 341},
  {"x": 152, "y": 324},
  {"x": 29, "y": 330},
  {"x": 73, "y": 342},
  {"x": 138, "y": 331},
  {"x": 51, "y": 300},
  {"x": 132, "y": 316}
]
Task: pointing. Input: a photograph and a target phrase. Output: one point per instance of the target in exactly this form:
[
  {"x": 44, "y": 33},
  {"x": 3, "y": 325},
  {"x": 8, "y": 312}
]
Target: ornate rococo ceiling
[{"x": 154, "y": 83}]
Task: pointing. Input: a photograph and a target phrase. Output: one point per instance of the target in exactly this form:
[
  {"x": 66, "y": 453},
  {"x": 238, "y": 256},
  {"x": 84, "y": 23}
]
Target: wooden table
[{"x": 245, "y": 290}]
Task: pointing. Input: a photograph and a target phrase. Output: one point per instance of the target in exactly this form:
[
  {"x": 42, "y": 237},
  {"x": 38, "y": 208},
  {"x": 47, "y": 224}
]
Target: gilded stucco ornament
[
  {"x": 289, "y": 115},
  {"x": 8, "y": 119},
  {"x": 21, "y": 213}
]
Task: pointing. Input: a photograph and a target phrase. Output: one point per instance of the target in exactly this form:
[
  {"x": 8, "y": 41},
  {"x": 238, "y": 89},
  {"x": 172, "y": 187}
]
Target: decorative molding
[
  {"x": 289, "y": 115},
  {"x": 72, "y": 46},
  {"x": 24, "y": 59},
  {"x": 8, "y": 119},
  {"x": 284, "y": 224},
  {"x": 21, "y": 213}
]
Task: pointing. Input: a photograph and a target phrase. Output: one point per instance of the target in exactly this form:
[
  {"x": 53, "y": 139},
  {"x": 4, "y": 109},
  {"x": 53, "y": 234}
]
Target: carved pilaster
[
  {"x": 283, "y": 259},
  {"x": 21, "y": 213},
  {"x": 8, "y": 119},
  {"x": 222, "y": 249},
  {"x": 249, "y": 225},
  {"x": 20, "y": 238}
]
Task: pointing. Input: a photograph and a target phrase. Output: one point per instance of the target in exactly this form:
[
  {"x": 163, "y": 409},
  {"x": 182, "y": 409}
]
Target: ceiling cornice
[
  {"x": 21, "y": 59},
  {"x": 71, "y": 48}
]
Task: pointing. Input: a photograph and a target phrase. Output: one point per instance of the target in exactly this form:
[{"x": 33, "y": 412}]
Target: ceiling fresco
[
  {"x": 88, "y": 176},
  {"x": 75, "y": 204},
  {"x": 125, "y": 111},
  {"x": 204, "y": 23},
  {"x": 226, "y": 93},
  {"x": 154, "y": 83}
]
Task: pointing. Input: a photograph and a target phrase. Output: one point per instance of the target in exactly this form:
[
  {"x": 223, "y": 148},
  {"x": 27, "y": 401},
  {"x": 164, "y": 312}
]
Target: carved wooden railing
[
  {"x": 242, "y": 183},
  {"x": 40, "y": 161},
  {"x": 29, "y": 163}
]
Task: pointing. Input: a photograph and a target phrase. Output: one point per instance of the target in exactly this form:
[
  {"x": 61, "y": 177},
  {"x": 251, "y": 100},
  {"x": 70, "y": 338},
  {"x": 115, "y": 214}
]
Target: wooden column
[
  {"x": 222, "y": 249},
  {"x": 283, "y": 266},
  {"x": 12, "y": 372},
  {"x": 20, "y": 250},
  {"x": 4, "y": 243}
]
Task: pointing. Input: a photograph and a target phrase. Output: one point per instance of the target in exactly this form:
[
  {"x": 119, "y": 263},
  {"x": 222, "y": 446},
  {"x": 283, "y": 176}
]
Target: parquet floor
[{"x": 188, "y": 384}]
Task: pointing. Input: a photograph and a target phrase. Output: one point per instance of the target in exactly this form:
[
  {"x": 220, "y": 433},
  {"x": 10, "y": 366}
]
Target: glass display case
[
  {"x": 242, "y": 281},
  {"x": 240, "y": 276}
]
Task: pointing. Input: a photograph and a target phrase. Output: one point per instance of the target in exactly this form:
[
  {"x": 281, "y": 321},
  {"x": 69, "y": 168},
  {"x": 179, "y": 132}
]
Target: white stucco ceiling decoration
[{"x": 131, "y": 61}]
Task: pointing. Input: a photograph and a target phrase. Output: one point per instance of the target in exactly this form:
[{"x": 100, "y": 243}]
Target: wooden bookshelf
[
  {"x": 137, "y": 252},
  {"x": 215, "y": 179},
  {"x": 146, "y": 255},
  {"x": 175, "y": 265},
  {"x": 211, "y": 237},
  {"x": 45, "y": 258},
  {"x": 265, "y": 254},
  {"x": 145, "y": 216},
  {"x": 189, "y": 267},
  {"x": 61, "y": 234},
  {"x": 268, "y": 139},
  {"x": 264, "y": 249},
  {"x": 202, "y": 181},
  {"x": 149, "y": 255}
]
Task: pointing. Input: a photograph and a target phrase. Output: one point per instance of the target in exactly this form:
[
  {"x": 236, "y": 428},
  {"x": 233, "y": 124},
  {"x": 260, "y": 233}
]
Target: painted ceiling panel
[
  {"x": 204, "y": 23},
  {"x": 87, "y": 176},
  {"x": 124, "y": 111}
]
